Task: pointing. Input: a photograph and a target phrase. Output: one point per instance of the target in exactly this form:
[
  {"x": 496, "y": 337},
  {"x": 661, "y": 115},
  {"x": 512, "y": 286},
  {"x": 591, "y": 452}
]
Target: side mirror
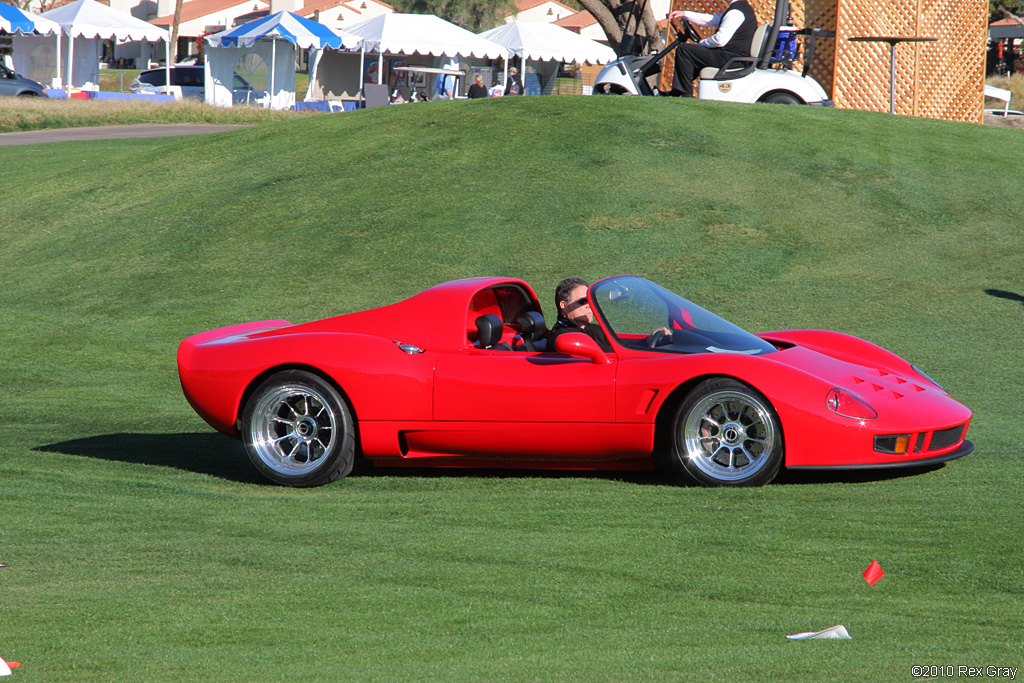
[{"x": 581, "y": 346}]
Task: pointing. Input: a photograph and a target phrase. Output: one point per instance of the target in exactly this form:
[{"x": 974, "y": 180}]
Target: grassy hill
[{"x": 141, "y": 545}]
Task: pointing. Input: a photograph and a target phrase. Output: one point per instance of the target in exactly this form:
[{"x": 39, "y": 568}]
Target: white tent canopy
[
  {"x": 86, "y": 23},
  {"x": 425, "y": 34},
  {"x": 547, "y": 42}
]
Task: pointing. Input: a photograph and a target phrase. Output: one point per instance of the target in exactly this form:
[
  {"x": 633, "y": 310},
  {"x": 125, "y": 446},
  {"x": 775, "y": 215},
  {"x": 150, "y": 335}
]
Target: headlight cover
[{"x": 842, "y": 402}]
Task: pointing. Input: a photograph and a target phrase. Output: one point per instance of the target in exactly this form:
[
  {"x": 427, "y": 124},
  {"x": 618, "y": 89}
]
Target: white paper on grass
[
  {"x": 4, "y": 669},
  {"x": 837, "y": 632}
]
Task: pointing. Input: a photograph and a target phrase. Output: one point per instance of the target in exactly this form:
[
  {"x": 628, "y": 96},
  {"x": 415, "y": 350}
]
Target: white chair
[{"x": 999, "y": 94}]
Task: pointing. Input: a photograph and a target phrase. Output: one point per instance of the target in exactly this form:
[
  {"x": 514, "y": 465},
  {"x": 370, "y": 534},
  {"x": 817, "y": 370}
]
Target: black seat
[
  {"x": 533, "y": 330},
  {"x": 488, "y": 332}
]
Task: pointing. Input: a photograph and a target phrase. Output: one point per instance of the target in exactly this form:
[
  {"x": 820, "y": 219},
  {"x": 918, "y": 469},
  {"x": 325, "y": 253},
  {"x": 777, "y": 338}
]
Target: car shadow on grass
[
  {"x": 219, "y": 456},
  {"x": 204, "y": 453}
]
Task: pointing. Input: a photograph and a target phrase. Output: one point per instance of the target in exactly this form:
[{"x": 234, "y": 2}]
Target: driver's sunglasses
[{"x": 582, "y": 301}]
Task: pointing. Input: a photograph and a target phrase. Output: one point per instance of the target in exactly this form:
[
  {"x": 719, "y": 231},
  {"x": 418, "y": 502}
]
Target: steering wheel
[
  {"x": 684, "y": 26},
  {"x": 655, "y": 338}
]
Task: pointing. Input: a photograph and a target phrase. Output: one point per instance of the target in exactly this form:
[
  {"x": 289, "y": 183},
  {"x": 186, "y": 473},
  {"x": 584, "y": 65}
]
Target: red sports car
[{"x": 461, "y": 376}]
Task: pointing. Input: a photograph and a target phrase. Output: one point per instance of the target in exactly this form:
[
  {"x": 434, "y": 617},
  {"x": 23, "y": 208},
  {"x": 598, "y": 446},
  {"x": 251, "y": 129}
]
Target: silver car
[
  {"x": 192, "y": 80},
  {"x": 18, "y": 86}
]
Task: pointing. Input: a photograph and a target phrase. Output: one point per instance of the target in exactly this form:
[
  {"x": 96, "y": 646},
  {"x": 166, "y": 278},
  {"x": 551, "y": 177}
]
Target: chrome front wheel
[{"x": 727, "y": 434}]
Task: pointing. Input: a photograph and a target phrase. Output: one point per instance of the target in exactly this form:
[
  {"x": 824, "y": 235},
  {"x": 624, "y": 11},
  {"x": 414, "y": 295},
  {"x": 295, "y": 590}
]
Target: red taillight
[{"x": 846, "y": 404}]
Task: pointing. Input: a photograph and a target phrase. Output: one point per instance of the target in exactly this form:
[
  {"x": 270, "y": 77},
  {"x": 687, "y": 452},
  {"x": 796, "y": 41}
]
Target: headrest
[
  {"x": 757, "y": 44},
  {"x": 488, "y": 330},
  {"x": 531, "y": 325}
]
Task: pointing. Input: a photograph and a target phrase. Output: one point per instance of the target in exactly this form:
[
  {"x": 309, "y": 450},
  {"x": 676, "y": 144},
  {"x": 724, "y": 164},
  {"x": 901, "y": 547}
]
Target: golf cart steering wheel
[{"x": 684, "y": 26}]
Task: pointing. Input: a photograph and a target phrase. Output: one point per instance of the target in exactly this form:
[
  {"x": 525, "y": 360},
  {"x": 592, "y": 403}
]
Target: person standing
[
  {"x": 477, "y": 90},
  {"x": 514, "y": 86}
]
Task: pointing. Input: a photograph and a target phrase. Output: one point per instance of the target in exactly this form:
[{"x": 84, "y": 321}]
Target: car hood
[{"x": 888, "y": 390}]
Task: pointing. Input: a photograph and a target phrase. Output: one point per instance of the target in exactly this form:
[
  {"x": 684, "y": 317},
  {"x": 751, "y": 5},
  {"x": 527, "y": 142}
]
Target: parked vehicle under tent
[
  {"x": 397, "y": 41},
  {"x": 260, "y": 56}
]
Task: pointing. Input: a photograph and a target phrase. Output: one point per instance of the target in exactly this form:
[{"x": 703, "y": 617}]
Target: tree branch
[{"x": 605, "y": 19}]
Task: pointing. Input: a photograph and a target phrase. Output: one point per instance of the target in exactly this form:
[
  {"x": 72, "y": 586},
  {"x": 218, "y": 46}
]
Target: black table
[{"x": 893, "y": 42}]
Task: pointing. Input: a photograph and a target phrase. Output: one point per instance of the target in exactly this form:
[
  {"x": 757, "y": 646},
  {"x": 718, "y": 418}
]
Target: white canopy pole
[
  {"x": 380, "y": 66},
  {"x": 71, "y": 61},
  {"x": 59, "y": 34},
  {"x": 273, "y": 71},
  {"x": 362, "y": 70},
  {"x": 167, "y": 63},
  {"x": 504, "y": 83}
]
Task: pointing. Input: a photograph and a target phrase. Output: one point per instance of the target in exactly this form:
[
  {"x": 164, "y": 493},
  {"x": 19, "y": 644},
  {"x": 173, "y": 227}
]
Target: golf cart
[{"x": 765, "y": 75}]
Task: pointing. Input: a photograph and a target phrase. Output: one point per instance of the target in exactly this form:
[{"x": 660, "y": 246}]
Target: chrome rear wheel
[{"x": 298, "y": 430}]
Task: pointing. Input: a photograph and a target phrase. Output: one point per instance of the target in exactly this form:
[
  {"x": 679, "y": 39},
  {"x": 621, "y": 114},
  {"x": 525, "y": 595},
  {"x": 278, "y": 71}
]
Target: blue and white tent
[
  {"x": 304, "y": 33},
  {"x": 14, "y": 20},
  {"x": 237, "y": 59},
  {"x": 17, "y": 22}
]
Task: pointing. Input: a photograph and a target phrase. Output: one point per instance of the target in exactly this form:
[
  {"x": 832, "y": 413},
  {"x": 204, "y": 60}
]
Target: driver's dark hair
[{"x": 566, "y": 286}]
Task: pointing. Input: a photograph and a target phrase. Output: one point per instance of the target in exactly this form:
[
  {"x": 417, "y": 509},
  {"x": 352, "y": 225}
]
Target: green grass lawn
[{"x": 143, "y": 547}]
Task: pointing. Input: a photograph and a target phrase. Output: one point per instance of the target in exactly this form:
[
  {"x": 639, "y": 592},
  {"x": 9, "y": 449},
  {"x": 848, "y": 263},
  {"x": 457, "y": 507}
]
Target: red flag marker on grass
[{"x": 873, "y": 573}]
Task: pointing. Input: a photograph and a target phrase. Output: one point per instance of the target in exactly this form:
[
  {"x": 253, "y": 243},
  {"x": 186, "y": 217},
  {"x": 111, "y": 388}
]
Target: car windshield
[{"x": 635, "y": 309}]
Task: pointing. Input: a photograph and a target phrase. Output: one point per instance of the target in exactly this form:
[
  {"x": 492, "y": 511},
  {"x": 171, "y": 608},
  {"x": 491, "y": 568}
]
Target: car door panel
[{"x": 500, "y": 386}]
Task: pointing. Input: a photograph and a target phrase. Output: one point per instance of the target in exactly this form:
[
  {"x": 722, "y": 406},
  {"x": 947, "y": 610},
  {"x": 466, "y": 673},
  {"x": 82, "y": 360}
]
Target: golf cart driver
[
  {"x": 736, "y": 27},
  {"x": 764, "y": 74}
]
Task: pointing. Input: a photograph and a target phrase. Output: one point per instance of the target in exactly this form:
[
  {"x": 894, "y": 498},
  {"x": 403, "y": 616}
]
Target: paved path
[{"x": 144, "y": 130}]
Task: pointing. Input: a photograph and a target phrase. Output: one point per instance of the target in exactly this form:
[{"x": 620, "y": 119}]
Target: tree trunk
[
  {"x": 174, "y": 30},
  {"x": 605, "y": 19},
  {"x": 611, "y": 17}
]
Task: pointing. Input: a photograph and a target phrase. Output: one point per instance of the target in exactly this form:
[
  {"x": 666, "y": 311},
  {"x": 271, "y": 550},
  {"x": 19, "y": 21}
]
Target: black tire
[
  {"x": 782, "y": 98},
  {"x": 727, "y": 434},
  {"x": 298, "y": 430}
]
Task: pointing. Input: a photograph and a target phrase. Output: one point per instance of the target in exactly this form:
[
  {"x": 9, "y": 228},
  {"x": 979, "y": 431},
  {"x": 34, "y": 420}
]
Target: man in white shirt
[{"x": 736, "y": 27}]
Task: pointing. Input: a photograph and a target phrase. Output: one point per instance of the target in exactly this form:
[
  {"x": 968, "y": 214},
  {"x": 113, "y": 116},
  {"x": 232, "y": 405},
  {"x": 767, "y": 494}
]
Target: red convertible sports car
[{"x": 460, "y": 376}]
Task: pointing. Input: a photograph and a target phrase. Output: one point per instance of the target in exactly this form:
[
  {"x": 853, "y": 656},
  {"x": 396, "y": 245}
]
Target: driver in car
[
  {"x": 574, "y": 314},
  {"x": 736, "y": 27}
]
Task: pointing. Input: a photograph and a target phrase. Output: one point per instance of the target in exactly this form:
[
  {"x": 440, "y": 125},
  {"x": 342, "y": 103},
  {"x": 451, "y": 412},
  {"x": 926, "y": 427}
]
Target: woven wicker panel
[
  {"x": 951, "y": 71},
  {"x": 941, "y": 79},
  {"x": 862, "y": 69}
]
